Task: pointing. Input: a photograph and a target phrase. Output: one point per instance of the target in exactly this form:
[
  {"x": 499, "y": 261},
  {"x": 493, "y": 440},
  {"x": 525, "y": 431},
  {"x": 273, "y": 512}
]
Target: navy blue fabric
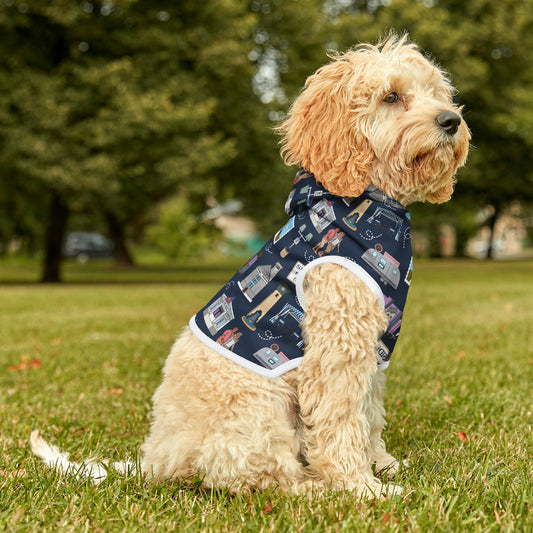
[{"x": 255, "y": 319}]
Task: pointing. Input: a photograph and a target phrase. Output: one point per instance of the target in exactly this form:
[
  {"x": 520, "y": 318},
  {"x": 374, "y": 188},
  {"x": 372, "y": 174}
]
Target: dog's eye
[{"x": 391, "y": 98}]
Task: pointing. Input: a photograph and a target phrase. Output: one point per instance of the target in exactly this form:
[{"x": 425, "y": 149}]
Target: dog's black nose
[{"x": 449, "y": 122}]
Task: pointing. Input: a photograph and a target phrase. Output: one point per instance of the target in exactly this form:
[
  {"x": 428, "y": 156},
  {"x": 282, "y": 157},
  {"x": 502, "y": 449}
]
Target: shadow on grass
[{"x": 107, "y": 273}]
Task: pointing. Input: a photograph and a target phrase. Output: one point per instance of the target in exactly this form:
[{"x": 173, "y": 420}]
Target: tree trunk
[
  {"x": 492, "y": 226},
  {"x": 116, "y": 233},
  {"x": 54, "y": 237}
]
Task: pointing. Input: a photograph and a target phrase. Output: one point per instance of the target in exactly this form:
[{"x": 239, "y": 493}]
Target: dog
[{"x": 376, "y": 128}]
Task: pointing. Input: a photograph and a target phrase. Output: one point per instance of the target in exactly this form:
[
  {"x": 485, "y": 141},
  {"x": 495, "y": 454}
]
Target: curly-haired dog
[{"x": 375, "y": 130}]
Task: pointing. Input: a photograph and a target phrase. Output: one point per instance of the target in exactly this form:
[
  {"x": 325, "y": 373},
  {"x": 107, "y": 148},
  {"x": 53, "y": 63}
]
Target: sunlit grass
[{"x": 81, "y": 361}]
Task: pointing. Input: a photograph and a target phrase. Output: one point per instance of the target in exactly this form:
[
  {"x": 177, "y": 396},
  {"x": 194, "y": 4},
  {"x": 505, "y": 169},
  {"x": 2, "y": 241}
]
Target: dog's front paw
[
  {"x": 388, "y": 466},
  {"x": 379, "y": 490}
]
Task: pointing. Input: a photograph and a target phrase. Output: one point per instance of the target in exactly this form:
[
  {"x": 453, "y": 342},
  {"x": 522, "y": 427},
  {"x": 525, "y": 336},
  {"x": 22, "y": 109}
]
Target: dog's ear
[{"x": 322, "y": 132}]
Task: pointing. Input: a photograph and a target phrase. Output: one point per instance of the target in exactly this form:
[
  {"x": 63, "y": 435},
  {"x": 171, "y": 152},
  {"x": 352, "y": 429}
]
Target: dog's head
[{"x": 378, "y": 115}]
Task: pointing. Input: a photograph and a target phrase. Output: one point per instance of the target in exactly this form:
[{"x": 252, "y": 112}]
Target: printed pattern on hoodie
[{"x": 255, "y": 318}]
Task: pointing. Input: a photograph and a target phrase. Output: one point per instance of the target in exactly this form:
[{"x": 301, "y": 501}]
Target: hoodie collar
[{"x": 306, "y": 192}]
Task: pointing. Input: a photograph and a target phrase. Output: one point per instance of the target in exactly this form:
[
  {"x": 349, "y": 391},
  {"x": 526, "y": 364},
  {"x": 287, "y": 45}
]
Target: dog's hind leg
[
  {"x": 343, "y": 321},
  {"x": 216, "y": 420}
]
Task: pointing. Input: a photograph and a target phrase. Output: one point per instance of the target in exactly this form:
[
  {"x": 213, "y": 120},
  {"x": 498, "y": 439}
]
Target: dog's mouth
[
  {"x": 419, "y": 161},
  {"x": 433, "y": 173},
  {"x": 433, "y": 144},
  {"x": 425, "y": 161},
  {"x": 448, "y": 153},
  {"x": 434, "y": 163}
]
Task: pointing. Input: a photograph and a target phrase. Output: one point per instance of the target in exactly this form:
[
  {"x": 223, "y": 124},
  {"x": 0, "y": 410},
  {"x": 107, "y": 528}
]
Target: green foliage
[
  {"x": 122, "y": 105},
  {"x": 286, "y": 45},
  {"x": 180, "y": 233},
  {"x": 110, "y": 112},
  {"x": 462, "y": 366},
  {"x": 116, "y": 106}
]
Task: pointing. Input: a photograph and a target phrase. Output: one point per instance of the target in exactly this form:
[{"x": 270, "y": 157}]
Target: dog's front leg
[
  {"x": 384, "y": 461},
  {"x": 342, "y": 324}
]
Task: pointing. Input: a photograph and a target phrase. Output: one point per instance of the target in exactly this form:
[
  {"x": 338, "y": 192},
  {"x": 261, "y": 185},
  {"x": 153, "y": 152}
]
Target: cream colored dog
[{"x": 377, "y": 115}]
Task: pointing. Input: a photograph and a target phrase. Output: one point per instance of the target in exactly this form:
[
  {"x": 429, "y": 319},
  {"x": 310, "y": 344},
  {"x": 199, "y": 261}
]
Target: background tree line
[{"x": 109, "y": 108}]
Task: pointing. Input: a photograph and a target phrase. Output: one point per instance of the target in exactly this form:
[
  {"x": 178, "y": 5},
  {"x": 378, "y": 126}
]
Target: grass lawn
[{"x": 80, "y": 361}]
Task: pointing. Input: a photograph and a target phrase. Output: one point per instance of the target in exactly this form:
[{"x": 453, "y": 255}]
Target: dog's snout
[{"x": 449, "y": 122}]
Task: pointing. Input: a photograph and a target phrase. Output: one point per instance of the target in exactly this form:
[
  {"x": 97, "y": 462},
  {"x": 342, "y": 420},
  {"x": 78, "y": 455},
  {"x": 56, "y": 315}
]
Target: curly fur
[
  {"x": 339, "y": 129},
  {"x": 318, "y": 426},
  {"x": 305, "y": 430}
]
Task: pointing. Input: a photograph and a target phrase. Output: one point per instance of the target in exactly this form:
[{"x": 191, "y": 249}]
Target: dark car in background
[{"x": 83, "y": 246}]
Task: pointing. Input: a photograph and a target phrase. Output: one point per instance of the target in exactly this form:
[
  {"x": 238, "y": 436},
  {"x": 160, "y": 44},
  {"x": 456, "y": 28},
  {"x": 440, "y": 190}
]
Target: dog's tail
[{"x": 54, "y": 458}]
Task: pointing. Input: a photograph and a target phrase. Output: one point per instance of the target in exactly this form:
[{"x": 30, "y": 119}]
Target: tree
[
  {"x": 286, "y": 45},
  {"x": 123, "y": 105},
  {"x": 100, "y": 105}
]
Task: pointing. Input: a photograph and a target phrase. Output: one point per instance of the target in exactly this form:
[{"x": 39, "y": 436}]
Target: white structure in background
[{"x": 510, "y": 233}]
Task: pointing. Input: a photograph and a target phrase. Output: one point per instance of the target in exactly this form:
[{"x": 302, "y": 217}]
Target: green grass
[{"x": 81, "y": 361}]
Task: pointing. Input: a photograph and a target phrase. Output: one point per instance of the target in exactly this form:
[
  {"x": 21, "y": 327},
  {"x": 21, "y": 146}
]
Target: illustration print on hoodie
[{"x": 255, "y": 318}]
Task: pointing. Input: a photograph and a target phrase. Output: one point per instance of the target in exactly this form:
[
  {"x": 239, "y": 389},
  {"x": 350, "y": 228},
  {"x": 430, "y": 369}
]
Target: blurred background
[{"x": 141, "y": 131}]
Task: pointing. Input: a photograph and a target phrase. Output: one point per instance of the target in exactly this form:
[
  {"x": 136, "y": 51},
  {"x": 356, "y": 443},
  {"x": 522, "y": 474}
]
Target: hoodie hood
[{"x": 305, "y": 193}]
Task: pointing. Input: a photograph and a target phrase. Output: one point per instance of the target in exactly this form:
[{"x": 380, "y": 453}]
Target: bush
[{"x": 179, "y": 232}]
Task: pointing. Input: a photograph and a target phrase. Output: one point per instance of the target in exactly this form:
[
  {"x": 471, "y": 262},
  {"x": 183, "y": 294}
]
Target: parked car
[{"x": 87, "y": 245}]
